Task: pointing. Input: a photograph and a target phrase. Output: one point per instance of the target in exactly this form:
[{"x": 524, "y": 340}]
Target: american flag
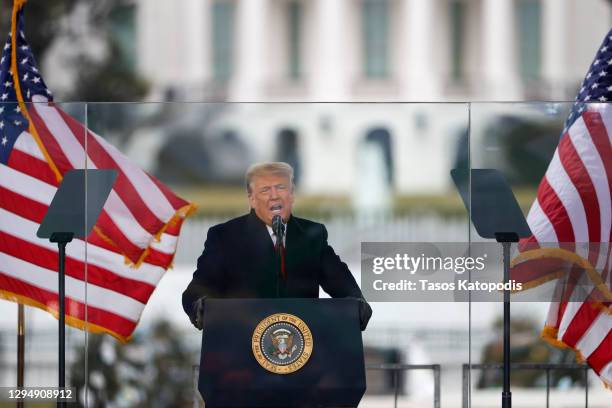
[
  {"x": 571, "y": 222},
  {"x": 111, "y": 275}
]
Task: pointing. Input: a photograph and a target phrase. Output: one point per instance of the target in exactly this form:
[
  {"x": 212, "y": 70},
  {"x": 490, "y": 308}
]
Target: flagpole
[
  {"x": 20, "y": 349},
  {"x": 17, "y": 5}
]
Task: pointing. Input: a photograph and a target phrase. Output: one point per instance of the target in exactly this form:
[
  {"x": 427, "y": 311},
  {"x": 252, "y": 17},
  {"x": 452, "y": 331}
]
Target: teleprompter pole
[
  {"x": 506, "y": 394},
  {"x": 62, "y": 238},
  {"x": 506, "y": 239}
]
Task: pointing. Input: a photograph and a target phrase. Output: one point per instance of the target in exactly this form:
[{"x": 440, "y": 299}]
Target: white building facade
[
  {"x": 367, "y": 50},
  {"x": 358, "y": 51}
]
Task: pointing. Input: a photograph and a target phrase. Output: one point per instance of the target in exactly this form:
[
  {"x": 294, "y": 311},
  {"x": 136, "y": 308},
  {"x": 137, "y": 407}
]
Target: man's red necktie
[{"x": 283, "y": 271}]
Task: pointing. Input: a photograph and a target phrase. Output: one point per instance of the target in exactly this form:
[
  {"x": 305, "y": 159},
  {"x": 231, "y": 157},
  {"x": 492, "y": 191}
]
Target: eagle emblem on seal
[{"x": 282, "y": 340}]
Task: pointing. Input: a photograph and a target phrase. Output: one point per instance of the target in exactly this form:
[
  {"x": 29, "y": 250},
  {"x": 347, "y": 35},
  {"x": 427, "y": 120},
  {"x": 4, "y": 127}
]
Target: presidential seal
[{"x": 282, "y": 343}]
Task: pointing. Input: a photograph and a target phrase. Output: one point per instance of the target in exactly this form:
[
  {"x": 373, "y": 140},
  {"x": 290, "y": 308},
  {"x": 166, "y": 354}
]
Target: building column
[
  {"x": 248, "y": 79},
  {"x": 330, "y": 80},
  {"x": 500, "y": 76},
  {"x": 554, "y": 48},
  {"x": 422, "y": 77},
  {"x": 157, "y": 25}
]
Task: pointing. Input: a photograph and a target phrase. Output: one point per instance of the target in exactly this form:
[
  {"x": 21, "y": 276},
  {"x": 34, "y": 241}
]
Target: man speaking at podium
[{"x": 269, "y": 253}]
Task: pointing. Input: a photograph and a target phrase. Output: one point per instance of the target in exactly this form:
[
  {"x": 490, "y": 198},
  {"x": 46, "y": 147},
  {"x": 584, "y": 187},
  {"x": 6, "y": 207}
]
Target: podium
[{"x": 281, "y": 353}]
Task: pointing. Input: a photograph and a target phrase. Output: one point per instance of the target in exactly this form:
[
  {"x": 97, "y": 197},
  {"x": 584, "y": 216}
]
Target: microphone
[{"x": 278, "y": 228}]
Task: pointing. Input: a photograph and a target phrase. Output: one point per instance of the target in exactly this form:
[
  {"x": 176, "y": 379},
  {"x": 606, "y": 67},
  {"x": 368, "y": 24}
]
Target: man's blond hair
[{"x": 266, "y": 169}]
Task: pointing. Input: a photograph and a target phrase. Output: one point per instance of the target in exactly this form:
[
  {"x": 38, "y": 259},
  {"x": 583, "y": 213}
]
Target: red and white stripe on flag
[
  {"x": 133, "y": 242},
  {"x": 571, "y": 223}
]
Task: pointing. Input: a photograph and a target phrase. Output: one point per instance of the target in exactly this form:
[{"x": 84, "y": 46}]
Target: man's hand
[
  {"x": 197, "y": 314},
  {"x": 365, "y": 312}
]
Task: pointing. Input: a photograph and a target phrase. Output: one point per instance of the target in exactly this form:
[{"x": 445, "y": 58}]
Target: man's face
[{"x": 270, "y": 195}]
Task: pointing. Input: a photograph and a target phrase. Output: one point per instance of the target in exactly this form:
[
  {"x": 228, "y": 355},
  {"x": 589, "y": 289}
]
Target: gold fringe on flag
[
  {"x": 70, "y": 320},
  {"x": 17, "y": 5}
]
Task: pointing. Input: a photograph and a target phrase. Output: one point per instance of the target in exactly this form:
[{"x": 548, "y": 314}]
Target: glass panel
[
  {"x": 372, "y": 173},
  {"x": 134, "y": 245},
  {"x": 376, "y": 175},
  {"x": 359, "y": 169},
  {"x": 519, "y": 140},
  {"x": 33, "y": 160}
]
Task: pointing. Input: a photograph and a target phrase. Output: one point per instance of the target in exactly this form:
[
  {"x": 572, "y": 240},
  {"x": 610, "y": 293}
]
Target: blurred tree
[
  {"x": 86, "y": 52},
  {"x": 152, "y": 371},
  {"x": 99, "y": 58},
  {"x": 45, "y": 16},
  {"x": 524, "y": 148}
]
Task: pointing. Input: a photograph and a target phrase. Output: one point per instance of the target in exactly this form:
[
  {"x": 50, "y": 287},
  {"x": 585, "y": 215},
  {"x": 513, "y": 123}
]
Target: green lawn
[{"x": 233, "y": 200}]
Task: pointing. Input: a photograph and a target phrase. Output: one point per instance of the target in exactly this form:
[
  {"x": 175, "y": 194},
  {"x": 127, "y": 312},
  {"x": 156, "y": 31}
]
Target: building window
[
  {"x": 123, "y": 34},
  {"x": 295, "y": 39},
  {"x": 287, "y": 150},
  {"x": 381, "y": 139},
  {"x": 529, "y": 19},
  {"x": 223, "y": 40},
  {"x": 375, "y": 23},
  {"x": 457, "y": 41}
]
